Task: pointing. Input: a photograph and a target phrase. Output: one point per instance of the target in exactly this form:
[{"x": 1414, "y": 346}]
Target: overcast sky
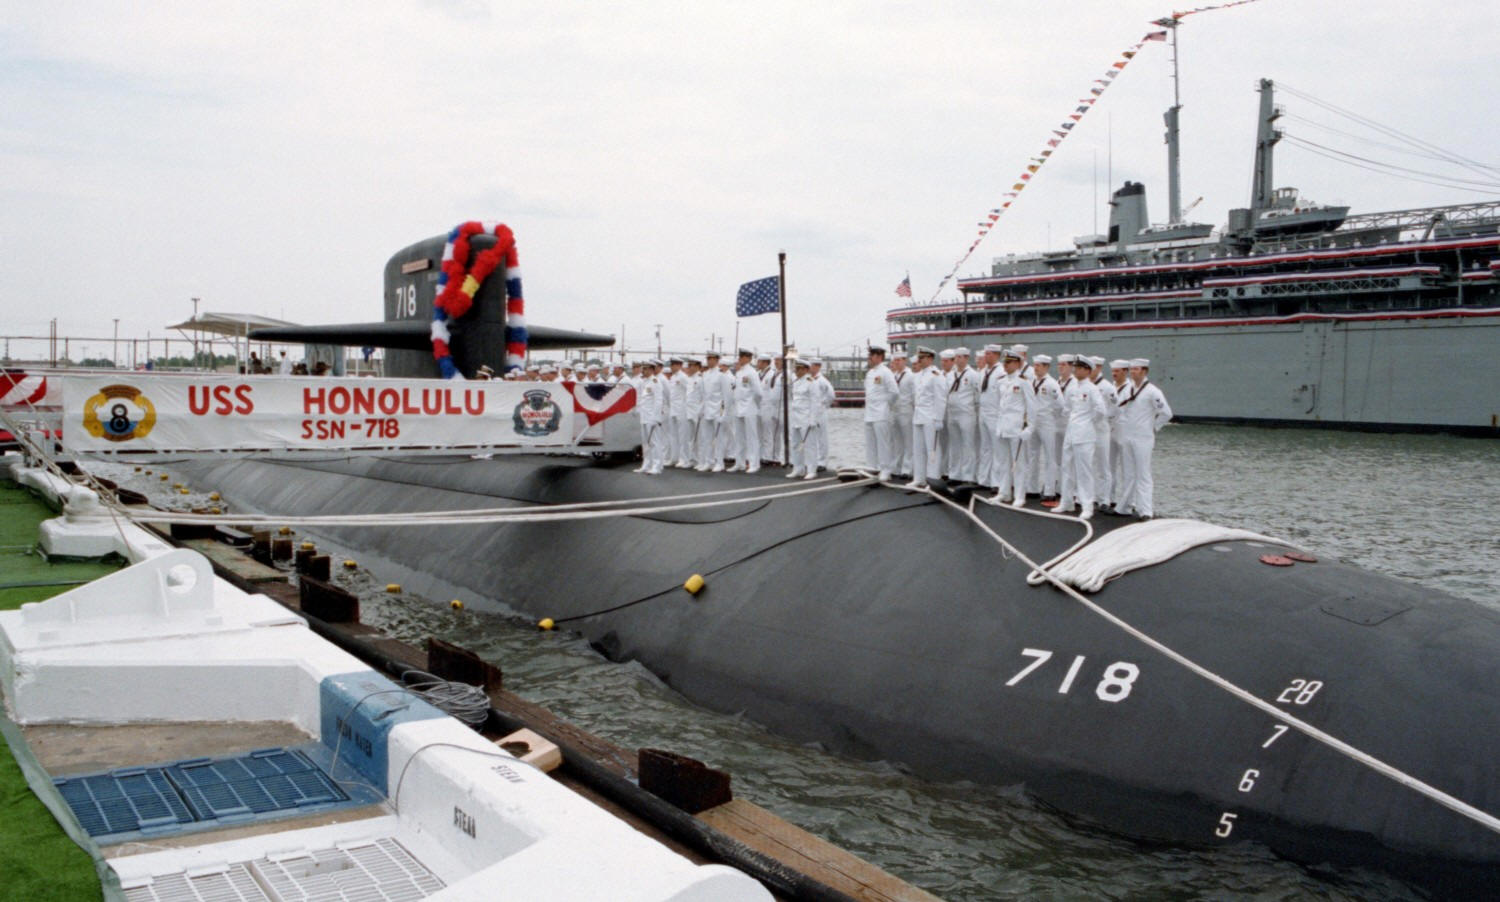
[{"x": 652, "y": 156}]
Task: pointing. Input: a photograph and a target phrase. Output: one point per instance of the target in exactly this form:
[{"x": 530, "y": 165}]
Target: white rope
[
  {"x": 1038, "y": 576},
  {"x": 1143, "y": 545},
  {"x": 1437, "y": 795}
]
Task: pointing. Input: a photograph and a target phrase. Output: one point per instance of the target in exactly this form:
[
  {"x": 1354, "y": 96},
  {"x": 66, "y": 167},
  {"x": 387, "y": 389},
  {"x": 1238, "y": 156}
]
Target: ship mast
[
  {"x": 1265, "y": 139},
  {"x": 1174, "y": 175}
]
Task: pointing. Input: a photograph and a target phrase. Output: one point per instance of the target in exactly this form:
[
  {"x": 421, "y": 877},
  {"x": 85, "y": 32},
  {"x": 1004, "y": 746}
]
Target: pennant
[
  {"x": 1075, "y": 116},
  {"x": 1054, "y": 142},
  {"x": 1129, "y": 54},
  {"x": 994, "y": 216},
  {"x": 1033, "y": 167},
  {"x": 1068, "y": 125},
  {"x": 1157, "y": 36},
  {"x": 1119, "y": 65}
]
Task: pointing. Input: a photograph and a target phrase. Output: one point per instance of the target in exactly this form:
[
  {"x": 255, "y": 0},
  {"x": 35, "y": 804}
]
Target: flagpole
[{"x": 786, "y": 432}]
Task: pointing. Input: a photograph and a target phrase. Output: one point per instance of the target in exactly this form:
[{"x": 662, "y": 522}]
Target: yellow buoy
[
  {"x": 284, "y": 531},
  {"x": 165, "y": 477},
  {"x": 456, "y": 605},
  {"x": 349, "y": 564},
  {"x": 393, "y": 588},
  {"x": 138, "y": 469},
  {"x": 214, "y": 510},
  {"x": 177, "y": 485},
  {"x": 309, "y": 546},
  {"x": 694, "y": 584},
  {"x": 182, "y": 491},
  {"x": 546, "y": 624},
  {"x": 213, "y": 496}
]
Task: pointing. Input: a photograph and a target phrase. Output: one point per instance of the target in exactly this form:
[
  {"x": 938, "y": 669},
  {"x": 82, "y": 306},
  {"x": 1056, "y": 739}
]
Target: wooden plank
[
  {"x": 235, "y": 561},
  {"x": 812, "y": 855}
]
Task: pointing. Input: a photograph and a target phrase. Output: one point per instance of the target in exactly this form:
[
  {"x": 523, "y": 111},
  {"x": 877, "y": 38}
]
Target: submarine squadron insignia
[
  {"x": 128, "y": 414},
  {"x": 537, "y": 414}
]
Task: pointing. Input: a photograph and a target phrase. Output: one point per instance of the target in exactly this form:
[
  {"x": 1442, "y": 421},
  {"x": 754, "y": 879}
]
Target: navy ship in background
[
  {"x": 819, "y": 620},
  {"x": 1294, "y": 314}
]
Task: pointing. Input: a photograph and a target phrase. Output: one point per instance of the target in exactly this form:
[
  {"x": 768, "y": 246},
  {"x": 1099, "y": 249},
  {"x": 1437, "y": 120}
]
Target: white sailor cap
[
  {"x": 1097, "y": 361},
  {"x": 1119, "y": 364},
  {"x": 800, "y": 363},
  {"x": 899, "y": 354},
  {"x": 512, "y": 374},
  {"x": 998, "y": 349},
  {"x": 676, "y": 360},
  {"x": 1084, "y": 361},
  {"x": 594, "y": 364},
  {"x": 924, "y": 351},
  {"x": 746, "y": 352},
  {"x": 1019, "y": 349},
  {"x": 1012, "y": 354},
  {"x": 814, "y": 361},
  {"x": 947, "y": 354},
  {"x": 763, "y": 355},
  {"x": 962, "y": 352},
  {"x": 549, "y": 368},
  {"x": 877, "y": 349},
  {"x": 711, "y": 353},
  {"x": 619, "y": 365},
  {"x": 532, "y": 368},
  {"x": 1041, "y": 359},
  {"x": 1066, "y": 358},
  {"x": 1140, "y": 362}
]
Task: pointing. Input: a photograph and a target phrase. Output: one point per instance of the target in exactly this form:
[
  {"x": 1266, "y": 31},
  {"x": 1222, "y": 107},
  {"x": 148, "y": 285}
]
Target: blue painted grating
[{"x": 198, "y": 791}]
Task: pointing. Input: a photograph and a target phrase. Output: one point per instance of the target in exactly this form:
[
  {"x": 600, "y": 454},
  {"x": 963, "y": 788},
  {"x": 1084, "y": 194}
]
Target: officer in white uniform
[
  {"x": 929, "y": 405},
  {"x": 1012, "y": 423},
  {"x": 1084, "y": 406},
  {"x": 1143, "y": 411},
  {"x": 802, "y": 419},
  {"x": 770, "y": 412},
  {"x": 746, "y": 395},
  {"x": 989, "y": 384},
  {"x": 901, "y": 408},
  {"x": 826, "y": 397},
  {"x": 715, "y": 409},
  {"x": 649, "y": 403},
  {"x": 963, "y": 418},
  {"x": 676, "y": 410},
  {"x": 694, "y": 414},
  {"x": 1047, "y": 437},
  {"x": 1103, "y": 429},
  {"x": 880, "y": 394}
]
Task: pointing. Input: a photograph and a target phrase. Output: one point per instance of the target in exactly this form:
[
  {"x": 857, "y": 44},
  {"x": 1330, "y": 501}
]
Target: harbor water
[{"x": 1422, "y": 508}]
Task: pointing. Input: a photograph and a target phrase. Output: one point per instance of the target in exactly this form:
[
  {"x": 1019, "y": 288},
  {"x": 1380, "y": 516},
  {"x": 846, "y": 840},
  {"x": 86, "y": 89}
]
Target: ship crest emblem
[
  {"x": 537, "y": 414},
  {"x": 126, "y": 414}
]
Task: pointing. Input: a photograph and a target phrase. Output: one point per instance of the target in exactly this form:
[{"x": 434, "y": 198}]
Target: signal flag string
[{"x": 1061, "y": 133}]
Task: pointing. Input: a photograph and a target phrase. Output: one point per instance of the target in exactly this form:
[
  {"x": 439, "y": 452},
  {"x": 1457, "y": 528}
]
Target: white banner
[{"x": 121, "y": 412}]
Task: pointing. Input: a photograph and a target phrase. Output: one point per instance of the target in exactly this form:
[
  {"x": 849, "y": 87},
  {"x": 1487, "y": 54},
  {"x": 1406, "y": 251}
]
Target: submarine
[{"x": 1198, "y": 686}]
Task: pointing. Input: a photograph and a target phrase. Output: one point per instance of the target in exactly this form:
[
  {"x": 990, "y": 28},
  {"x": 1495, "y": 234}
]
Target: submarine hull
[{"x": 886, "y": 625}]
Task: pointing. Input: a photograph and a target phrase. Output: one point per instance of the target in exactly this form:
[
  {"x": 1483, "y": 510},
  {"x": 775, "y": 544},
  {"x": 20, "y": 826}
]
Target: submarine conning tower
[{"x": 1127, "y": 213}]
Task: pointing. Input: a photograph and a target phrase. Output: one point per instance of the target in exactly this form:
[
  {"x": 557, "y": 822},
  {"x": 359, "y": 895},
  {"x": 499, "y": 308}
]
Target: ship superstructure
[{"x": 1293, "y": 313}]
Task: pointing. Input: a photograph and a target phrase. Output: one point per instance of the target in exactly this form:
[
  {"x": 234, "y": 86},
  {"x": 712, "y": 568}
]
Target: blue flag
[{"x": 760, "y": 296}]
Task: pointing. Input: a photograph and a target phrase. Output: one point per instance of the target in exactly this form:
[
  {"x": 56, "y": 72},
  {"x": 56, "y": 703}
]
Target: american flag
[
  {"x": 760, "y": 296},
  {"x": 904, "y": 289}
]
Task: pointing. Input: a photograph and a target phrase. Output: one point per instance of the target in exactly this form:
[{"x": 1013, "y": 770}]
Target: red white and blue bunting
[
  {"x": 1063, "y": 130},
  {"x": 458, "y": 283}
]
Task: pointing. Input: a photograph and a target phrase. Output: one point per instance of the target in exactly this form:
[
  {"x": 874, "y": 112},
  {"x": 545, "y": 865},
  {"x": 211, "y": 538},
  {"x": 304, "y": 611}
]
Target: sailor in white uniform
[
  {"x": 963, "y": 418},
  {"x": 649, "y": 403},
  {"x": 770, "y": 411},
  {"x": 880, "y": 393},
  {"x": 676, "y": 410},
  {"x": 929, "y": 405},
  {"x": 1119, "y": 375},
  {"x": 945, "y": 360},
  {"x": 1083, "y": 406},
  {"x": 711, "y": 422},
  {"x": 694, "y": 413},
  {"x": 1047, "y": 435},
  {"x": 1012, "y": 423},
  {"x": 801, "y": 414},
  {"x": 989, "y": 395},
  {"x": 901, "y": 409},
  {"x": 1143, "y": 411},
  {"x": 747, "y": 392},
  {"x": 825, "y": 398},
  {"x": 1104, "y": 428}
]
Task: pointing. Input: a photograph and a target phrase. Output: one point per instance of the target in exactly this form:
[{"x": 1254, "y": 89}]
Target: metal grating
[
  {"x": 124, "y": 800},
  {"x": 377, "y": 871},
  {"x": 198, "y": 791},
  {"x": 265, "y": 780}
]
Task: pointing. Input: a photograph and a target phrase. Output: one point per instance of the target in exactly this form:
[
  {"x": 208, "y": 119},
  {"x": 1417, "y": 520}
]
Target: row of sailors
[
  {"x": 700, "y": 413},
  {"x": 1080, "y": 438}
]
